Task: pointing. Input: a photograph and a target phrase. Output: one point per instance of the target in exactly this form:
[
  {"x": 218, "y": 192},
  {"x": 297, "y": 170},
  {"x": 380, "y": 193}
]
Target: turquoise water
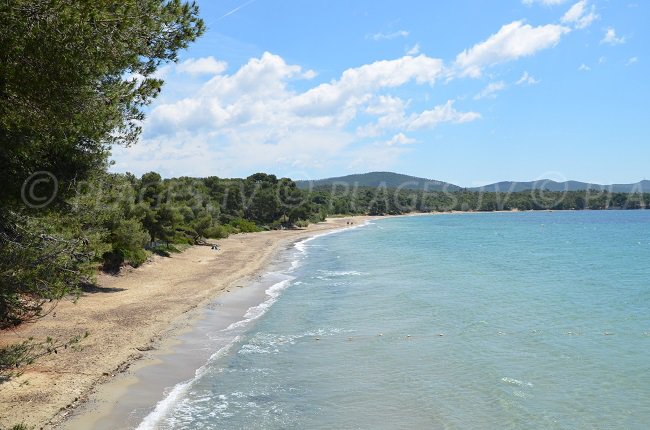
[{"x": 463, "y": 321}]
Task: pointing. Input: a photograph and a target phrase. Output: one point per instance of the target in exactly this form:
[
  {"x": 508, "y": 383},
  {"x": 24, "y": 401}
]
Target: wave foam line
[
  {"x": 300, "y": 246},
  {"x": 164, "y": 406},
  {"x": 149, "y": 422},
  {"x": 254, "y": 312}
]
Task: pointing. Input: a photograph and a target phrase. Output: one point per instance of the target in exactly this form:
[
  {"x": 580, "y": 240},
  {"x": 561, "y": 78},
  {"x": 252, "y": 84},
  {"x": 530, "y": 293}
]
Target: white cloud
[
  {"x": 490, "y": 90},
  {"x": 602, "y": 60},
  {"x": 388, "y": 36},
  {"x": 632, "y": 60},
  {"x": 396, "y": 118},
  {"x": 611, "y": 38},
  {"x": 584, "y": 68},
  {"x": 439, "y": 114},
  {"x": 527, "y": 79},
  {"x": 400, "y": 139},
  {"x": 512, "y": 41},
  {"x": 544, "y": 2},
  {"x": 356, "y": 84},
  {"x": 255, "y": 119},
  {"x": 200, "y": 66},
  {"x": 580, "y": 15},
  {"x": 414, "y": 50}
]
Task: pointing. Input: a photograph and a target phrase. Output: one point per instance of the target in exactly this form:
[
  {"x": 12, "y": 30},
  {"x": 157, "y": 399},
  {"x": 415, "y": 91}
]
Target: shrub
[
  {"x": 218, "y": 232},
  {"x": 244, "y": 226}
]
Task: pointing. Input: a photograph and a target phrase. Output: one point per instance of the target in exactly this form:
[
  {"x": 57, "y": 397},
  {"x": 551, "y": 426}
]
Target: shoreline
[
  {"x": 136, "y": 397},
  {"x": 134, "y": 317}
]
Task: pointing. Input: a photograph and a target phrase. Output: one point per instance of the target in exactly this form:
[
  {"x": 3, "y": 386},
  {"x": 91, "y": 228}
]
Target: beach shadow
[{"x": 94, "y": 289}]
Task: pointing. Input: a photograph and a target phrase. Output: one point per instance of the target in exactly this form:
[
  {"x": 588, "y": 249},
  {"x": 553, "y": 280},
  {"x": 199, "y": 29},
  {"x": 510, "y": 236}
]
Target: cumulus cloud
[
  {"x": 611, "y": 38},
  {"x": 527, "y": 79},
  {"x": 580, "y": 15},
  {"x": 400, "y": 139},
  {"x": 395, "y": 117},
  {"x": 584, "y": 68},
  {"x": 490, "y": 90},
  {"x": 438, "y": 115},
  {"x": 255, "y": 118},
  {"x": 201, "y": 66},
  {"x": 632, "y": 60},
  {"x": 267, "y": 115},
  {"x": 512, "y": 41}
]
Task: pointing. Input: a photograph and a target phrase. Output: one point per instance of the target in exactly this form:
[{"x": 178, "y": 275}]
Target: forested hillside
[{"x": 379, "y": 179}]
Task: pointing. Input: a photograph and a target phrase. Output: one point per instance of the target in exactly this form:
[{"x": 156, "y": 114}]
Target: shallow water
[{"x": 506, "y": 320}]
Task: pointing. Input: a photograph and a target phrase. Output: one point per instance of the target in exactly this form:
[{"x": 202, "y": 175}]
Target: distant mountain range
[
  {"x": 376, "y": 179},
  {"x": 547, "y": 184},
  {"x": 396, "y": 180}
]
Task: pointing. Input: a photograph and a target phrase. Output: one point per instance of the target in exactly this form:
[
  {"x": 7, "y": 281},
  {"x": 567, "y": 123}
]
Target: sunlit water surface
[{"x": 478, "y": 321}]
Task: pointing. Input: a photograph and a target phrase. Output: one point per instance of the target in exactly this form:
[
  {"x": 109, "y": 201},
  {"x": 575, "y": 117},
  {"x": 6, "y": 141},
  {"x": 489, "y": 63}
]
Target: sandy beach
[{"x": 130, "y": 315}]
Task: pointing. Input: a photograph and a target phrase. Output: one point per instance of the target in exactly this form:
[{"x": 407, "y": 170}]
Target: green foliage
[
  {"x": 41, "y": 261},
  {"x": 75, "y": 77},
  {"x": 68, "y": 89},
  {"x": 244, "y": 226},
  {"x": 218, "y": 232},
  {"x": 381, "y": 201},
  {"x": 167, "y": 250},
  {"x": 302, "y": 223},
  {"x": 128, "y": 236},
  {"x": 67, "y": 93}
]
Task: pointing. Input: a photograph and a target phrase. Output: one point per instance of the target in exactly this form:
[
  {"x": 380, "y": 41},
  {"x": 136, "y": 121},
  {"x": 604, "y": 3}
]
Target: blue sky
[{"x": 469, "y": 92}]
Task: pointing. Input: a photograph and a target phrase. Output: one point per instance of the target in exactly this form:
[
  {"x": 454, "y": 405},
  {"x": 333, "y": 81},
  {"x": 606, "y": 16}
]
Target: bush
[
  {"x": 39, "y": 267},
  {"x": 276, "y": 225},
  {"x": 244, "y": 226},
  {"x": 302, "y": 223},
  {"x": 128, "y": 237},
  {"x": 317, "y": 217},
  {"x": 137, "y": 257},
  {"x": 218, "y": 232},
  {"x": 113, "y": 260}
]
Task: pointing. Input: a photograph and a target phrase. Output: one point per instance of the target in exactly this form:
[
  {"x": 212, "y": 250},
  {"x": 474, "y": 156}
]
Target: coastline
[{"x": 133, "y": 318}]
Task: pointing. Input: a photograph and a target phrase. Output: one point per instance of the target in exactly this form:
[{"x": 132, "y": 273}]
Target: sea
[{"x": 531, "y": 320}]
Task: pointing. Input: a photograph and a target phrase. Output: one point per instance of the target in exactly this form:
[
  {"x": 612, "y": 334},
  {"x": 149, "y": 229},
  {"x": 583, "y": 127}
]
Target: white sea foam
[
  {"x": 339, "y": 273},
  {"x": 173, "y": 397},
  {"x": 270, "y": 343},
  {"x": 255, "y": 312},
  {"x": 517, "y": 382},
  {"x": 300, "y": 246},
  {"x": 151, "y": 420}
]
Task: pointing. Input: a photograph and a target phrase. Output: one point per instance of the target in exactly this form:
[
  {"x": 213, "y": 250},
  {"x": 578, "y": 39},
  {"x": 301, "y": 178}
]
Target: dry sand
[{"x": 129, "y": 314}]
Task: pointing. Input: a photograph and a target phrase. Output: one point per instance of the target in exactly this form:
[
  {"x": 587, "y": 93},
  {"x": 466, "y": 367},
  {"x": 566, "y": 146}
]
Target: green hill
[
  {"x": 546, "y": 184},
  {"x": 397, "y": 180},
  {"x": 379, "y": 179}
]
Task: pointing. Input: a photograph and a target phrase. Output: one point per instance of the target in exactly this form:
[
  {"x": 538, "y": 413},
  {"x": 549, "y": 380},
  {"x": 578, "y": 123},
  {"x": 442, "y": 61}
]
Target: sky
[{"x": 467, "y": 91}]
